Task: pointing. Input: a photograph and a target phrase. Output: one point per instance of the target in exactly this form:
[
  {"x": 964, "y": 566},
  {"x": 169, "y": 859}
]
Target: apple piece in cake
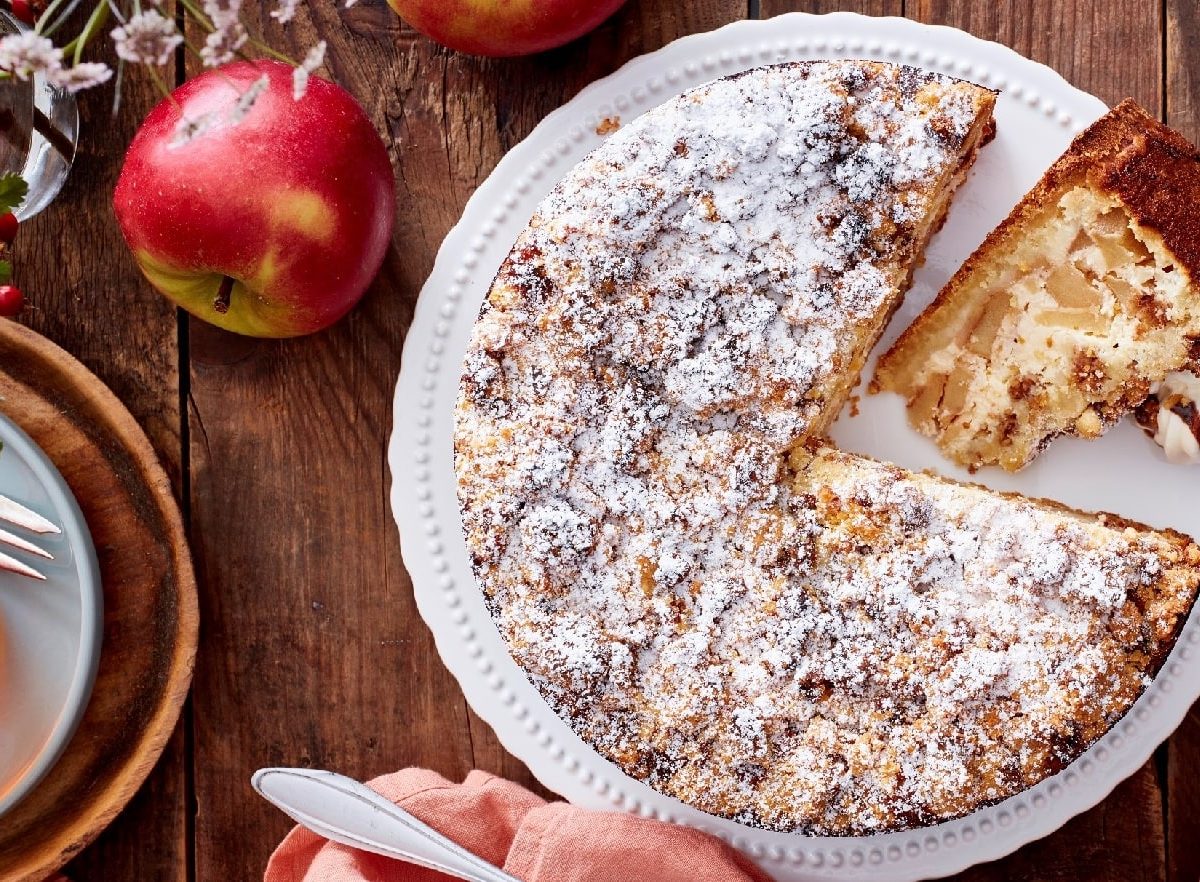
[{"x": 1071, "y": 310}]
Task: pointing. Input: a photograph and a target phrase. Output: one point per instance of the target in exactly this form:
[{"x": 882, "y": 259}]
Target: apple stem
[{"x": 224, "y": 293}]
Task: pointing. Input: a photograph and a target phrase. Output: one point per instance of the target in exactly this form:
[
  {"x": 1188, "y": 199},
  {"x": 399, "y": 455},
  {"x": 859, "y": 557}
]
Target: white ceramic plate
[
  {"x": 50, "y": 632},
  {"x": 1037, "y": 115}
]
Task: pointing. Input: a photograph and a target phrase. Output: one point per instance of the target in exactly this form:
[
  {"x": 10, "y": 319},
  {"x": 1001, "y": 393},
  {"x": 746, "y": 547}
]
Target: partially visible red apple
[
  {"x": 504, "y": 27},
  {"x": 270, "y": 227}
]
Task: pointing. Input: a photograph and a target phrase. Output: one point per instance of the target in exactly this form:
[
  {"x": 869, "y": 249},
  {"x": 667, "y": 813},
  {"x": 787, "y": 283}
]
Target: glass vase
[{"x": 39, "y": 129}]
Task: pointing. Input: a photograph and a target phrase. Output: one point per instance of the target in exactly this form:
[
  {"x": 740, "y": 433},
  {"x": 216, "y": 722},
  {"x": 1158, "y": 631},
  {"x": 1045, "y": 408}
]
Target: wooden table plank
[
  {"x": 1183, "y": 800},
  {"x": 86, "y": 294},
  {"x": 1111, "y": 49},
  {"x": 148, "y": 841},
  {"x": 314, "y": 653},
  {"x": 1182, "y": 22},
  {"x": 862, "y": 7}
]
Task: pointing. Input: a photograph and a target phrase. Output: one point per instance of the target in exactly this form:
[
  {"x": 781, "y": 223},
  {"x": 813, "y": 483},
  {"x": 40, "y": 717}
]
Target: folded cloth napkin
[{"x": 532, "y": 839}]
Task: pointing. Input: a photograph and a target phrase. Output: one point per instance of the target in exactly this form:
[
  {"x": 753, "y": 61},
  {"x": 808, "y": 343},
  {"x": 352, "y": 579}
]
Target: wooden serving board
[{"x": 150, "y": 610}]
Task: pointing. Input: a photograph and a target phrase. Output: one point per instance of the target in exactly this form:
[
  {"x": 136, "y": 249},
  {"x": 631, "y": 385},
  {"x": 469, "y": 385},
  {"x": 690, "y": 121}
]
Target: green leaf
[
  {"x": 12, "y": 191},
  {"x": 5, "y": 272}
]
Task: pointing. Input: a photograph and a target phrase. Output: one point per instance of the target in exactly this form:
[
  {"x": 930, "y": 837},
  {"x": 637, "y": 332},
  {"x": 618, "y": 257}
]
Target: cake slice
[
  {"x": 1071, "y": 310},
  {"x": 971, "y": 643}
]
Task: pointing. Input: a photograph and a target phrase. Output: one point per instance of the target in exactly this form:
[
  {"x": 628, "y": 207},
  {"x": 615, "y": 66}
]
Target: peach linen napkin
[{"x": 532, "y": 839}]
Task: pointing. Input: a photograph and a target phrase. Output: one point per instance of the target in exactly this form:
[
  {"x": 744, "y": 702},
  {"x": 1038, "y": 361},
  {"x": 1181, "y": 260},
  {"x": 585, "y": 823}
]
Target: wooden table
[{"x": 312, "y": 652}]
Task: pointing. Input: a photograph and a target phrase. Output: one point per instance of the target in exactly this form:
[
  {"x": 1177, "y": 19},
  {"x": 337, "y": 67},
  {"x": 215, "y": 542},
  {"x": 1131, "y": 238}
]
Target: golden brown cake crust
[{"x": 1156, "y": 174}]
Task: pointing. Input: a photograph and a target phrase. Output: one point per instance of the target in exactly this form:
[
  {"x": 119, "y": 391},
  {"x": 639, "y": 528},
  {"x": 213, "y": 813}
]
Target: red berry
[
  {"x": 8, "y": 227},
  {"x": 12, "y": 301},
  {"x": 23, "y": 10}
]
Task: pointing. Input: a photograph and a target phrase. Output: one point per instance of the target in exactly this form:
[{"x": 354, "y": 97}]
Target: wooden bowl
[{"x": 150, "y": 608}]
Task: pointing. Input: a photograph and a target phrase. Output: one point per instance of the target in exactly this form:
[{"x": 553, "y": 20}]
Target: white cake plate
[{"x": 1037, "y": 115}]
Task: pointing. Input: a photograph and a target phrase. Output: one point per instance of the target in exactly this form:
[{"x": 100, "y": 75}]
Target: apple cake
[
  {"x": 731, "y": 611},
  {"x": 1068, "y": 313}
]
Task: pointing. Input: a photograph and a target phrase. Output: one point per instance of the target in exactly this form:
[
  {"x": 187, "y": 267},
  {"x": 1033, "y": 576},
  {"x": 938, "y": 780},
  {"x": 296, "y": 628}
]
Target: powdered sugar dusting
[{"x": 829, "y": 644}]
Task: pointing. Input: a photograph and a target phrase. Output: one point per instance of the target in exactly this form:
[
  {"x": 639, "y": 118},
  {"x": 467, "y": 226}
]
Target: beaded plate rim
[{"x": 425, "y": 505}]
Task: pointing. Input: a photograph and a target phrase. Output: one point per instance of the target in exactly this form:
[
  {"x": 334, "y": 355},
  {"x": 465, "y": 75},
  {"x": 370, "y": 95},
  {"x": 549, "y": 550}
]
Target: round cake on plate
[{"x": 716, "y": 600}]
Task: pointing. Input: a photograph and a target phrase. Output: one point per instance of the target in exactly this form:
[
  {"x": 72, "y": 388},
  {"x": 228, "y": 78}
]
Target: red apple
[
  {"x": 504, "y": 27},
  {"x": 270, "y": 227}
]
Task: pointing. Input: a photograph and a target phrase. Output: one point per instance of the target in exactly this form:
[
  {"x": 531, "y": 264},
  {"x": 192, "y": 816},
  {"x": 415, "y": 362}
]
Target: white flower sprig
[
  {"x": 221, "y": 10},
  {"x": 247, "y": 99},
  {"x": 222, "y": 45},
  {"x": 285, "y": 11},
  {"x": 27, "y": 54},
  {"x": 188, "y": 128},
  {"x": 226, "y": 39},
  {"x": 313, "y": 60},
  {"x": 145, "y": 36},
  {"x": 24, "y": 55},
  {"x": 83, "y": 75}
]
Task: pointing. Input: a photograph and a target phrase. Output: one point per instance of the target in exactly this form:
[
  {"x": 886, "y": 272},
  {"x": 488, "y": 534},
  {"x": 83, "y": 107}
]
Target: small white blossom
[
  {"x": 27, "y": 53},
  {"x": 147, "y": 38},
  {"x": 222, "y": 10},
  {"x": 285, "y": 11},
  {"x": 225, "y": 16},
  {"x": 247, "y": 99},
  {"x": 350, "y": 3},
  {"x": 314, "y": 59},
  {"x": 188, "y": 129},
  {"x": 221, "y": 45},
  {"x": 84, "y": 75}
]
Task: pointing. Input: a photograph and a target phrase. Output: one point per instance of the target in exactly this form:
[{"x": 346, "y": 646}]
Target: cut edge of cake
[
  {"x": 1023, "y": 344},
  {"x": 981, "y": 133}
]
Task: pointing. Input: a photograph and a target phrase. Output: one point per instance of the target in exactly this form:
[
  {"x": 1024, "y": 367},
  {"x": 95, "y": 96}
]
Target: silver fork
[{"x": 15, "y": 513}]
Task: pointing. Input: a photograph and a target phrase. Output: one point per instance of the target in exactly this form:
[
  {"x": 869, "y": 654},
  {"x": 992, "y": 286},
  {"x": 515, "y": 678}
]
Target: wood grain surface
[
  {"x": 1182, "y": 781},
  {"x": 313, "y": 652}
]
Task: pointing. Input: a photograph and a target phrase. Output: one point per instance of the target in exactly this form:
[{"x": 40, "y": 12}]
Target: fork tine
[
  {"x": 15, "y": 513},
  {"x": 24, "y": 544},
  {"x": 15, "y": 566}
]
